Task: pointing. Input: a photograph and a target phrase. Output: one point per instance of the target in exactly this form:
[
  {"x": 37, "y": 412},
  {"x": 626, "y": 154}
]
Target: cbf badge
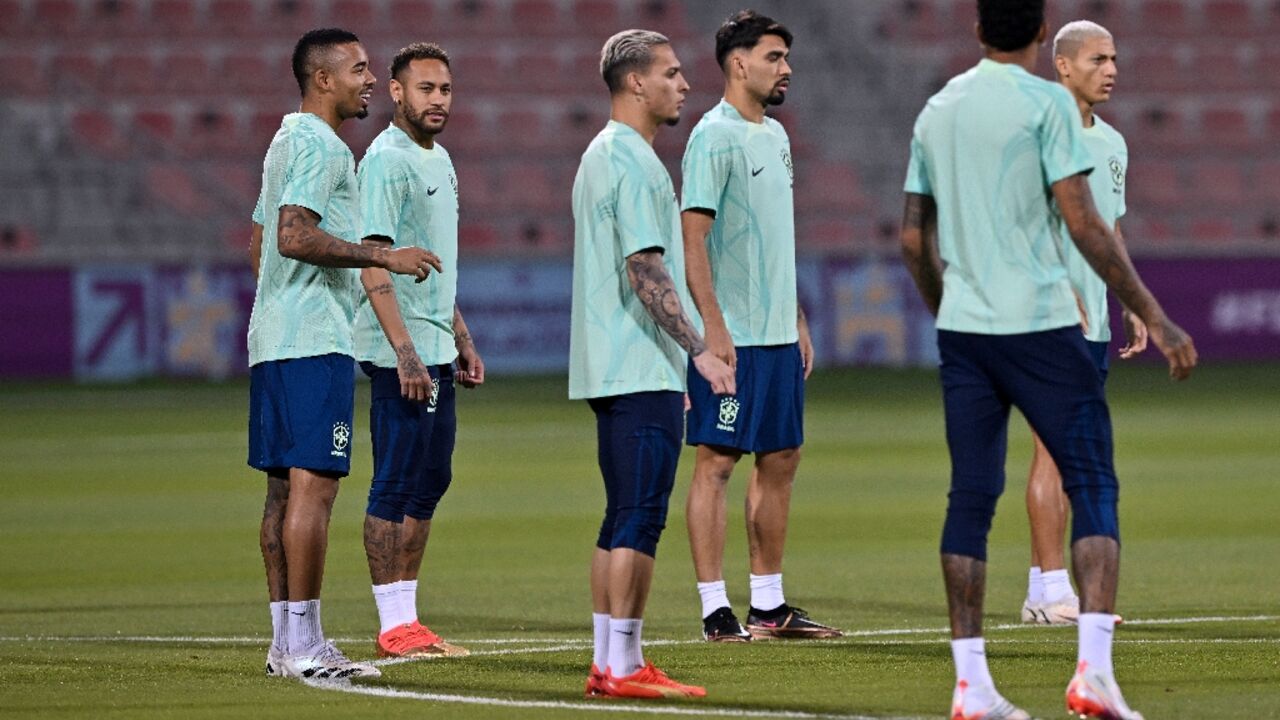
[
  {"x": 786, "y": 160},
  {"x": 1117, "y": 172},
  {"x": 435, "y": 396},
  {"x": 341, "y": 438},
  {"x": 728, "y": 414}
]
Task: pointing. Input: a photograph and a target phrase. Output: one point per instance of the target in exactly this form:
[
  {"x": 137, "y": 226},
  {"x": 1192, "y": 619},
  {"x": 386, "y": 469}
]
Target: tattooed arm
[
  {"x": 415, "y": 382},
  {"x": 920, "y": 248},
  {"x": 657, "y": 292},
  {"x": 255, "y": 249},
  {"x": 1109, "y": 258},
  {"x": 470, "y": 366},
  {"x": 299, "y": 237}
]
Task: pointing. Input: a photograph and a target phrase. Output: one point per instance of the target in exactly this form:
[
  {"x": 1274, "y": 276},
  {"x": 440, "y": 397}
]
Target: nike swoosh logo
[
  {"x": 432, "y": 191},
  {"x": 757, "y": 171},
  {"x": 301, "y": 614},
  {"x": 623, "y": 632}
]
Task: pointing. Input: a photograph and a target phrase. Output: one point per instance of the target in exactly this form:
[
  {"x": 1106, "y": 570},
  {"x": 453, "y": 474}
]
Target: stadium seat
[
  {"x": 468, "y": 133},
  {"x": 174, "y": 17},
  {"x": 923, "y": 20},
  {"x": 363, "y": 14},
  {"x": 172, "y": 185},
  {"x": 18, "y": 240},
  {"x": 1225, "y": 66},
  {"x": 597, "y": 18},
  {"x": 828, "y": 186},
  {"x": 522, "y": 130},
  {"x": 831, "y": 234},
  {"x": 234, "y": 18},
  {"x": 474, "y": 18},
  {"x": 480, "y": 69},
  {"x": 1221, "y": 182},
  {"x": 157, "y": 130},
  {"x": 536, "y": 17},
  {"x": 1264, "y": 185},
  {"x": 97, "y": 132},
  {"x": 262, "y": 73},
  {"x": 1225, "y": 127},
  {"x": 262, "y": 128},
  {"x": 1165, "y": 18},
  {"x": 73, "y": 72},
  {"x": 212, "y": 134},
  {"x": 475, "y": 193},
  {"x": 1162, "y": 126},
  {"x": 1214, "y": 229},
  {"x": 478, "y": 236},
  {"x": 56, "y": 18},
  {"x": 292, "y": 17},
  {"x": 528, "y": 185},
  {"x": 1153, "y": 183},
  {"x": 114, "y": 19},
  {"x": 130, "y": 74},
  {"x": 665, "y": 14},
  {"x": 24, "y": 74},
  {"x": 12, "y": 18},
  {"x": 239, "y": 181},
  {"x": 1273, "y": 124},
  {"x": 1232, "y": 18},
  {"x": 185, "y": 73},
  {"x": 1157, "y": 68}
]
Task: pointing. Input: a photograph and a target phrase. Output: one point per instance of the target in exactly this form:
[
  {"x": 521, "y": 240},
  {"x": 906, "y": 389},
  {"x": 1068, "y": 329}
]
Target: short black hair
[
  {"x": 1009, "y": 25},
  {"x": 417, "y": 51},
  {"x": 306, "y": 54},
  {"x": 744, "y": 29}
]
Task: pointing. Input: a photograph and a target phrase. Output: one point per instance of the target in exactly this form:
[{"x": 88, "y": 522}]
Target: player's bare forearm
[
  {"x": 695, "y": 226},
  {"x": 470, "y": 365},
  {"x": 382, "y": 298},
  {"x": 657, "y": 292},
  {"x": 461, "y": 335},
  {"x": 1102, "y": 249},
  {"x": 920, "y": 248},
  {"x": 300, "y": 238},
  {"x": 255, "y": 249}
]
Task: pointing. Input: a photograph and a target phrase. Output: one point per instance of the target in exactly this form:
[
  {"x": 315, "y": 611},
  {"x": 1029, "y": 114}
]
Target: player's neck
[
  {"x": 322, "y": 110},
  {"x": 425, "y": 141},
  {"x": 1024, "y": 58},
  {"x": 1086, "y": 111},
  {"x": 635, "y": 116},
  {"x": 751, "y": 109}
]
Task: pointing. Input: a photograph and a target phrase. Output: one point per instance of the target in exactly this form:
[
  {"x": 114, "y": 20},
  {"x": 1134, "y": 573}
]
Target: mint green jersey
[
  {"x": 987, "y": 147},
  {"x": 303, "y": 310},
  {"x": 409, "y": 195},
  {"x": 1106, "y": 183},
  {"x": 742, "y": 172},
  {"x": 623, "y": 202}
]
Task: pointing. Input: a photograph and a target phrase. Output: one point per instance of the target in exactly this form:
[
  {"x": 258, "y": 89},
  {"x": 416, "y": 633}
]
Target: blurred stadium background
[{"x": 134, "y": 130}]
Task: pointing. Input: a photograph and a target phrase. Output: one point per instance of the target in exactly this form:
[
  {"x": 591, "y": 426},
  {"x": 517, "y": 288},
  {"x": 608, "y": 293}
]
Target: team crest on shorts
[
  {"x": 341, "y": 438},
  {"x": 435, "y": 395},
  {"x": 728, "y": 414}
]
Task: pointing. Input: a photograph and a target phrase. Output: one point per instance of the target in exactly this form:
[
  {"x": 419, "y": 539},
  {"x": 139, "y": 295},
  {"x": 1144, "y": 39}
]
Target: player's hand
[
  {"x": 415, "y": 381},
  {"x": 720, "y": 344},
  {"x": 1135, "y": 335},
  {"x": 1176, "y": 345},
  {"x": 470, "y": 366},
  {"x": 716, "y": 372},
  {"x": 413, "y": 261},
  {"x": 806, "y": 348}
]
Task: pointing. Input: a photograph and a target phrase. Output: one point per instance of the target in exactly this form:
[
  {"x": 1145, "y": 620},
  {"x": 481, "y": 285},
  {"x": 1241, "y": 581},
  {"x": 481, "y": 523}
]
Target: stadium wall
[{"x": 124, "y": 322}]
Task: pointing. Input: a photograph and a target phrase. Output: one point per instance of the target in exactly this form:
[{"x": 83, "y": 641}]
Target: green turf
[{"x": 128, "y": 511}]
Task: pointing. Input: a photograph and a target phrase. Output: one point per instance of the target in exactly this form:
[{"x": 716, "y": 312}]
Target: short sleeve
[
  {"x": 1121, "y": 207},
  {"x": 311, "y": 176},
  {"x": 917, "y": 171},
  {"x": 259, "y": 216},
  {"x": 638, "y": 216},
  {"x": 384, "y": 186},
  {"x": 705, "y": 170},
  {"x": 1062, "y": 148}
]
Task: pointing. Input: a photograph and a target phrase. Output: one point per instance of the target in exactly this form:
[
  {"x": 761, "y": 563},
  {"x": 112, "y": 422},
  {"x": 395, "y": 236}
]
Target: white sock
[
  {"x": 387, "y": 598},
  {"x": 970, "y": 656},
  {"x": 625, "y": 656},
  {"x": 1035, "y": 586},
  {"x": 766, "y": 592},
  {"x": 280, "y": 625},
  {"x": 1057, "y": 586},
  {"x": 409, "y": 600},
  {"x": 600, "y": 623},
  {"x": 305, "y": 635},
  {"x": 713, "y": 595},
  {"x": 1096, "y": 630}
]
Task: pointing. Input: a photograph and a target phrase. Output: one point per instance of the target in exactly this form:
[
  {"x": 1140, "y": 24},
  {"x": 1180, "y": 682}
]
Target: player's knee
[
  {"x": 1093, "y": 512},
  {"x": 639, "y": 529},
  {"x": 387, "y": 503},
  {"x": 604, "y": 540},
  {"x": 422, "y": 506},
  {"x": 968, "y": 523}
]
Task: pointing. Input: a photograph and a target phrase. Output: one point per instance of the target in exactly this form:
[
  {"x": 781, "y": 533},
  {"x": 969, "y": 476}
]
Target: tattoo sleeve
[
  {"x": 920, "y": 247},
  {"x": 657, "y": 292},
  {"x": 299, "y": 237}
]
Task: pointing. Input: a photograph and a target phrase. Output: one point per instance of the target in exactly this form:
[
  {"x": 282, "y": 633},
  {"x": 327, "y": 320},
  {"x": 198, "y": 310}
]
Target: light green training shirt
[
  {"x": 410, "y": 195},
  {"x": 987, "y": 147},
  {"x": 623, "y": 202},
  {"x": 303, "y": 310},
  {"x": 1106, "y": 183},
  {"x": 742, "y": 172}
]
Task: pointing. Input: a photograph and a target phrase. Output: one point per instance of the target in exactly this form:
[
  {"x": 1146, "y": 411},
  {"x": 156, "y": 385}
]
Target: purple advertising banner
[
  {"x": 36, "y": 330},
  {"x": 1230, "y": 306}
]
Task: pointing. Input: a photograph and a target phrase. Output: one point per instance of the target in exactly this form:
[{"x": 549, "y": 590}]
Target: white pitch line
[{"x": 345, "y": 686}]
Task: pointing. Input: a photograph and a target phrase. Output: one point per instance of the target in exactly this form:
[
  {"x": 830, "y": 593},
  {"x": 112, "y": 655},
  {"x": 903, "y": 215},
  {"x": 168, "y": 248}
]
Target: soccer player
[
  {"x": 627, "y": 348},
  {"x": 407, "y": 337},
  {"x": 300, "y": 352},
  {"x": 739, "y": 246},
  {"x": 1084, "y": 55},
  {"x": 990, "y": 152}
]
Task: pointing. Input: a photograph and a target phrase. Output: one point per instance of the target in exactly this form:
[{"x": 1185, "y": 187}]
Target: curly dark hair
[
  {"x": 744, "y": 29},
  {"x": 417, "y": 51},
  {"x": 1010, "y": 25}
]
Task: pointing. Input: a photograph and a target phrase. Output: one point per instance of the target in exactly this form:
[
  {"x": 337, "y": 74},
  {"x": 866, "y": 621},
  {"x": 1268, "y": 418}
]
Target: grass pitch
[{"x": 131, "y": 585}]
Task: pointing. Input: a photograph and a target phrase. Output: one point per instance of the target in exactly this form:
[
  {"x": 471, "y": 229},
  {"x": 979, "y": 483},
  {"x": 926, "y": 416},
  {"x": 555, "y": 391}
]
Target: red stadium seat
[
  {"x": 829, "y": 186},
  {"x": 1163, "y": 127},
  {"x": 478, "y": 236},
  {"x": 830, "y": 234},
  {"x": 528, "y": 185},
  {"x": 130, "y": 74},
  {"x": 24, "y": 74},
  {"x": 474, "y": 18},
  {"x": 1222, "y": 182},
  {"x": 185, "y": 73},
  {"x": 1224, "y": 66},
  {"x": 256, "y": 73},
  {"x": 97, "y": 131},
  {"x": 291, "y": 17},
  {"x": 668, "y": 15},
  {"x": 1265, "y": 183},
  {"x": 536, "y": 17},
  {"x": 1153, "y": 183},
  {"x": 522, "y": 130},
  {"x": 475, "y": 194},
  {"x": 1225, "y": 127},
  {"x": 156, "y": 129},
  {"x": 212, "y": 134},
  {"x": 1165, "y": 18},
  {"x": 239, "y": 180},
  {"x": 113, "y": 19},
  {"x": 1234, "y": 18},
  {"x": 1214, "y": 229},
  {"x": 262, "y": 128},
  {"x": 172, "y": 185},
  {"x": 924, "y": 21},
  {"x": 174, "y": 17},
  {"x": 73, "y": 72},
  {"x": 56, "y": 18},
  {"x": 235, "y": 18},
  {"x": 597, "y": 18},
  {"x": 362, "y": 14},
  {"x": 1273, "y": 124},
  {"x": 12, "y": 18},
  {"x": 468, "y": 133},
  {"x": 1158, "y": 68}
]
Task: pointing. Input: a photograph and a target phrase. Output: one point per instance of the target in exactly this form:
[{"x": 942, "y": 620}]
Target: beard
[
  {"x": 776, "y": 98},
  {"x": 363, "y": 113},
  {"x": 672, "y": 121},
  {"x": 419, "y": 122}
]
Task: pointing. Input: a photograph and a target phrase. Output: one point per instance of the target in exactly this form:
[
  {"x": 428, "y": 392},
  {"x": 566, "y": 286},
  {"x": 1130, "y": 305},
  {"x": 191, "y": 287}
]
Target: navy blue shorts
[
  {"x": 300, "y": 415},
  {"x": 1053, "y": 379},
  {"x": 1098, "y": 351},
  {"x": 412, "y": 444},
  {"x": 638, "y": 446},
  {"x": 766, "y": 414}
]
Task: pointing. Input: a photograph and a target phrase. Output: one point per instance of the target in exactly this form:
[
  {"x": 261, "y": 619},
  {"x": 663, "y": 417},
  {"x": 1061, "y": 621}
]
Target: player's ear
[
  {"x": 1062, "y": 66},
  {"x": 1043, "y": 34},
  {"x": 397, "y": 91},
  {"x": 322, "y": 78}
]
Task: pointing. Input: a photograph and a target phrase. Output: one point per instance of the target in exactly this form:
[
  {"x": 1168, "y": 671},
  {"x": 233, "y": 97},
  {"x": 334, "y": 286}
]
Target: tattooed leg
[
  {"x": 413, "y": 544},
  {"x": 966, "y": 581},
  {"x": 1096, "y": 562},
  {"x": 382, "y": 548},
  {"x": 271, "y": 537}
]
